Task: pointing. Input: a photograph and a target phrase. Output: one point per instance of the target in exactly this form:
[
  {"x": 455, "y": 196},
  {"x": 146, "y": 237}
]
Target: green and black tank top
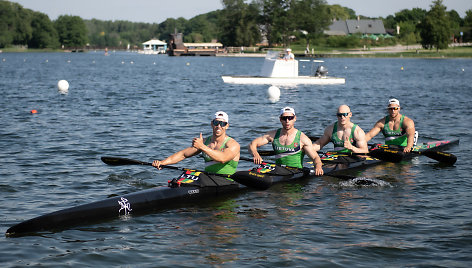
[
  {"x": 395, "y": 137},
  {"x": 289, "y": 155},
  {"x": 217, "y": 167},
  {"x": 338, "y": 143}
]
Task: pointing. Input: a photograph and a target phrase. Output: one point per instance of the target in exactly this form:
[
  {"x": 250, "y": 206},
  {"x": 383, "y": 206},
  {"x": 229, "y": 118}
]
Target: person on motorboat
[
  {"x": 288, "y": 54},
  {"x": 344, "y": 134},
  {"x": 289, "y": 144},
  {"x": 220, "y": 152},
  {"x": 396, "y": 128}
]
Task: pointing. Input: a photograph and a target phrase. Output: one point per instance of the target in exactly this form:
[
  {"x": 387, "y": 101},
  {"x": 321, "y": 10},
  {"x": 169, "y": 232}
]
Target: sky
[{"x": 157, "y": 11}]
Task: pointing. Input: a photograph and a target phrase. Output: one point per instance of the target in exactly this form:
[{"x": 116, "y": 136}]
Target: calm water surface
[{"x": 147, "y": 107}]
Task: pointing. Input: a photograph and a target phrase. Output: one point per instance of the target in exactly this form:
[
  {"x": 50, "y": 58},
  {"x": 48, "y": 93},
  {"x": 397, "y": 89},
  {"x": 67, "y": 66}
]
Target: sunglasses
[
  {"x": 289, "y": 118},
  {"x": 342, "y": 114},
  {"x": 393, "y": 108},
  {"x": 221, "y": 123}
]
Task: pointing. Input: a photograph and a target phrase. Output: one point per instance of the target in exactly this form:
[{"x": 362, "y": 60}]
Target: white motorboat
[{"x": 276, "y": 71}]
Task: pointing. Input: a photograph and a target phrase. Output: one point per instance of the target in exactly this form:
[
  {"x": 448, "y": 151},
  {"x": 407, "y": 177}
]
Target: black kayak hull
[{"x": 163, "y": 197}]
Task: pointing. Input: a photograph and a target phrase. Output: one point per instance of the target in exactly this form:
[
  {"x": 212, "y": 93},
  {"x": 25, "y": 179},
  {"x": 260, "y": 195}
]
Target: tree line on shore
[{"x": 278, "y": 22}]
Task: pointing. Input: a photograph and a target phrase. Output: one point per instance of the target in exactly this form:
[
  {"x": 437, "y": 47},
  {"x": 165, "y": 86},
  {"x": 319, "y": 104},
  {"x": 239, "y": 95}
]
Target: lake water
[{"x": 147, "y": 107}]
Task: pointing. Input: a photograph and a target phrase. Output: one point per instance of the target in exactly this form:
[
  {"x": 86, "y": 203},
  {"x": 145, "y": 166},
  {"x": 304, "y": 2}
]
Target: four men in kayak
[{"x": 221, "y": 152}]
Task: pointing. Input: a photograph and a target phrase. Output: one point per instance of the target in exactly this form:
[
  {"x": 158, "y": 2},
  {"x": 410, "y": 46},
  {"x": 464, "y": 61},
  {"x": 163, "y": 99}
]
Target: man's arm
[
  {"x": 258, "y": 142},
  {"x": 307, "y": 146},
  {"x": 227, "y": 154},
  {"x": 359, "y": 137},
  {"x": 409, "y": 127},
  {"x": 176, "y": 157},
  {"x": 375, "y": 130},
  {"x": 325, "y": 139}
]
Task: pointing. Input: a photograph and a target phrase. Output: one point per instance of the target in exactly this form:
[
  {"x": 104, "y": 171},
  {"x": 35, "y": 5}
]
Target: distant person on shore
[
  {"x": 396, "y": 128},
  {"x": 289, "y": 144},
  {"x": 220, "y": 152},
  {"x": 345, "y": 135},
  {"x": 288, "y": 54}
]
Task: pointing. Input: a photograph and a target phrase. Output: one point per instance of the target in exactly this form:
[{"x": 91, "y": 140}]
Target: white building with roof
[{"x": 154, "y": 46}]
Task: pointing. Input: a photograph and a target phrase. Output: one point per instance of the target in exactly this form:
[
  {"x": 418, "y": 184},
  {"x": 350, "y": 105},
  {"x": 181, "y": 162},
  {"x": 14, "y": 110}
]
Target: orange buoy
[{"x": 34, "y": 111}]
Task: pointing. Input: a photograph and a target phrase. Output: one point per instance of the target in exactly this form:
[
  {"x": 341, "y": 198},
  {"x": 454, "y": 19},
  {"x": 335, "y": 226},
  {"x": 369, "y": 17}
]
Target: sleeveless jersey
[
  {"x": 395, "y": 137},
  {"x": 217, "y": 167},
  {"x": 338, "y": 143},
  {"x": 289, "y": 155}
]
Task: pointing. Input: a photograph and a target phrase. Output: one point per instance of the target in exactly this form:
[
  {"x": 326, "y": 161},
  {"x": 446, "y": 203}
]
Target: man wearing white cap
[
  {"x": 344, "y": 134},
  {"x": 221, "y": 152},
  {"x": 397, "y": 128},
  {"x": 288, "y": 54},
  {"x": 289, "y": 144}
]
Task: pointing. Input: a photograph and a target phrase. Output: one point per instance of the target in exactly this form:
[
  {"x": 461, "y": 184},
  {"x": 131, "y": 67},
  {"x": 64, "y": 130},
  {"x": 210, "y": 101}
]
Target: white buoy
[
  {"x": 63, "y": 86},
  {"x": 273, "y": 93}
]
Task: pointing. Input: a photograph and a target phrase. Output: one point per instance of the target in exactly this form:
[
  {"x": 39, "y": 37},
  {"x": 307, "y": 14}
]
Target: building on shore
[
  {"x": 178, "y": 48},
  {"x": 154, "y": 46},
  {"x": 367, "y": 28}
]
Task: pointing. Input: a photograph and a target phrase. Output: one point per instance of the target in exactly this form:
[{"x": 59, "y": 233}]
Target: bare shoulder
[
  {"x": 270, "y": 135},
  {"x": 232, "y": 142},
  {"x": 408, "y": 122},
  {"x": 304, "y": 138},
  {"x": 359, "y": 131},
  {"x": 380, "y": 122},
  {"x": 329, "y": 129}
]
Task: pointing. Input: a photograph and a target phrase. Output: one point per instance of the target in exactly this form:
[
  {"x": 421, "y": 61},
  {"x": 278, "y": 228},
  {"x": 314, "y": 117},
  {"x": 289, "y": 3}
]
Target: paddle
[
  {"x": 247, "y": 178},
  {"x": 397, "y": 156}
]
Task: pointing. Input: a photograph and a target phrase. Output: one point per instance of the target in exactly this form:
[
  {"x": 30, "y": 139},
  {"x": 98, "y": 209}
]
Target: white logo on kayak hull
[
  {"x": 196, "y": 191},
  {"x": 125, "y": 205}
]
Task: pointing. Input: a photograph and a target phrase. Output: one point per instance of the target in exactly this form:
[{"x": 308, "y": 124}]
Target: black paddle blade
[
  {"x": 253, "y": 179},
  {"x": 118, "y": 161},
  {"x": 387, "y": 155},
  {"x": 442, "y": 157}
]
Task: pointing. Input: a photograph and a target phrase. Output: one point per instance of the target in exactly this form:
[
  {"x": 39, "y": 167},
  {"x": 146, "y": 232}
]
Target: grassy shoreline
[{"x": 379, "y": 52}]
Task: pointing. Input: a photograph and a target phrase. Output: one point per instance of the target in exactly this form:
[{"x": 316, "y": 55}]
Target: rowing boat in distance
[
  {"x": 190, "y": 187},
  {"x": 276, "y": 71}
]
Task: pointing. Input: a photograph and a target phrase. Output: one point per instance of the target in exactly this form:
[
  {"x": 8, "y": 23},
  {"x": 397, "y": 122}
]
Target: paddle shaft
[{"x": 118, "y": 161}]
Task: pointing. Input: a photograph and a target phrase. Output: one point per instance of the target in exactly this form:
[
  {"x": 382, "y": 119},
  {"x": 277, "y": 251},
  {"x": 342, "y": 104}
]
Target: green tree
[
  {"x": 415, "y": 15},
  {"x": 170, "y": 26},
  {"x": 238, "y": 23},
  {"x": 7, "y": 22},
  {"x": 15, "y": 24},
  {"x": 44, "y": 34},
  {"x": 435, "y": 27},
  {"x": 273, "y": 18},
  {"x": 311, "y": 17},
  {"x": 72, "y": 31},
  {"x": 202, "y": 28},
  {"x": 337, "y": 12},
  {"x": 468, "y": 18}
]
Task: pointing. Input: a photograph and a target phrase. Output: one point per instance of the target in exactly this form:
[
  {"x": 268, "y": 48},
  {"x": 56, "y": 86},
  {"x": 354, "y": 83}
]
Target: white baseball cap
[
  {"x": 288, "y": 49},
  {"x": 393, "y": 101},
  {"x": 287, "y": 110},
  {"x": 221, "y": 115}
]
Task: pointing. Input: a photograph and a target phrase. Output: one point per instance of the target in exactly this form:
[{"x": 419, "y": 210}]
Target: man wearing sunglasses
[
  {"x": 289, "y": 144},
  {"x": 396, "y": 128},
  {"x": 345, "y": 135},
  {"x": 220, "y": 152}
]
